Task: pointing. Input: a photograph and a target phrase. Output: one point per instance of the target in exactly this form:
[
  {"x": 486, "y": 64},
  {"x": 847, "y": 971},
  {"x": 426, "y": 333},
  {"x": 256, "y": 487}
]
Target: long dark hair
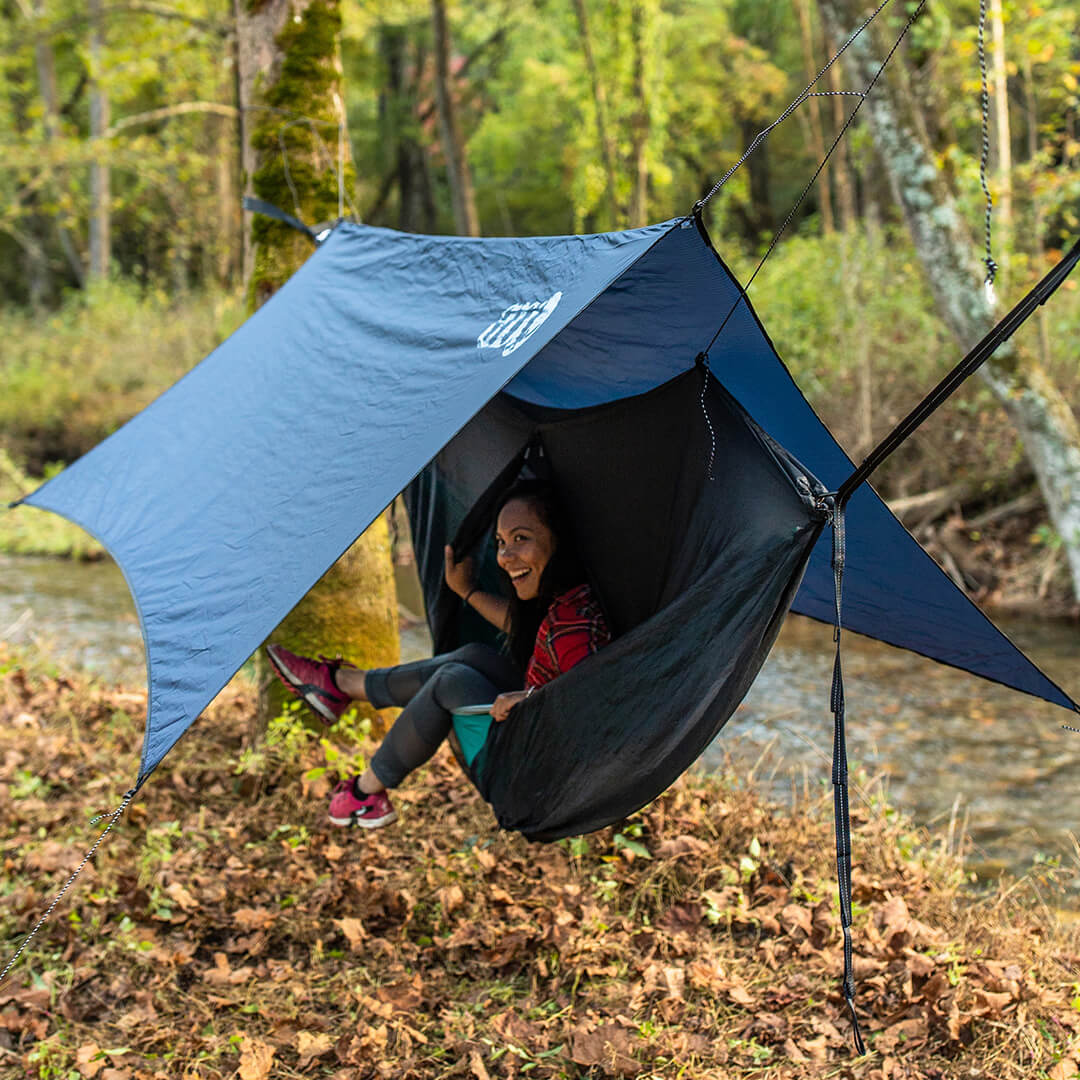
[{"x": 564, "y": 569}]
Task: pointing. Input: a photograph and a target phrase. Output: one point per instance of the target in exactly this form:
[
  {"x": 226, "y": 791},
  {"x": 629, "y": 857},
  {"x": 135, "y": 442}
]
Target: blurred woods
[{"x": 124, "y": 130}]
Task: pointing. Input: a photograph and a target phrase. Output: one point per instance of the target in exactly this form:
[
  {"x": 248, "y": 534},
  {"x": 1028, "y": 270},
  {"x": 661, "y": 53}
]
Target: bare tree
[
  {"x": 462, "y": 196},
  {"x": 45, "y": 63},
  {"x": 1003, "y": 140},
  {"x": 817, "y": 135},
  {"x": 100, "y": 246}
]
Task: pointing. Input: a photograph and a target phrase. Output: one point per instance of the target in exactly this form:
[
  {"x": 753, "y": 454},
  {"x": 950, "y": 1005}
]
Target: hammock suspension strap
[{"x": 841, "y": 815}]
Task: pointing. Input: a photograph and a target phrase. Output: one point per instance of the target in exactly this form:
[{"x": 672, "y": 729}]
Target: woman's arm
[{"x": 459, "y": 577}]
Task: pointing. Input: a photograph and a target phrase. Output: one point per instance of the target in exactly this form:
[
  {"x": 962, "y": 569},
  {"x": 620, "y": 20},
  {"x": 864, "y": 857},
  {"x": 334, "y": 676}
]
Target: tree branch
[{"x": 168, "y": 111}]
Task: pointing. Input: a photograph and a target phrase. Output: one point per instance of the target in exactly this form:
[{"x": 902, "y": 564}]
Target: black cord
[{"x": 863, "y": 95}]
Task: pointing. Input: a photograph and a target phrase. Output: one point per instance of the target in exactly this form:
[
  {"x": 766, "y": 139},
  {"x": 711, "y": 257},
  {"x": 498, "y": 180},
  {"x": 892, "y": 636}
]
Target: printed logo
[{"x": 517, "y": 324}]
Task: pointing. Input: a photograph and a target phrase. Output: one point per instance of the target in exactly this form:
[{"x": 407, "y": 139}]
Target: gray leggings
[{"x": 429, "y": 691}]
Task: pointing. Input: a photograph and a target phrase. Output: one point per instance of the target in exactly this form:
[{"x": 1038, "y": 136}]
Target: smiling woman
[{"x": 551, "y": 619}]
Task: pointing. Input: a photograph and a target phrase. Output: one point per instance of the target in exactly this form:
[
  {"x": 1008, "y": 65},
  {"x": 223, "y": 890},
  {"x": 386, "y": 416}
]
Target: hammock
[{"x": 695, "y": 574}]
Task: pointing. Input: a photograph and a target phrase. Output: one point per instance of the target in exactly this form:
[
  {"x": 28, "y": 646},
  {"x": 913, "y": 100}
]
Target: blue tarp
[{"x": 226, "y": 499}]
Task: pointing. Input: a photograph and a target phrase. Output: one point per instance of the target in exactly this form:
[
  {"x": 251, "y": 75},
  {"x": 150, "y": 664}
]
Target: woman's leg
[
  {"x": 427, "y": 718},
  {"x": 398, "y": 685}
]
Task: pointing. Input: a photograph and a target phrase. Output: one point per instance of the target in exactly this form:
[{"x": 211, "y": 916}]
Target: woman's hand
[
  {"x": 459, "y": 575},
  {"x": 505, "y": 702}
]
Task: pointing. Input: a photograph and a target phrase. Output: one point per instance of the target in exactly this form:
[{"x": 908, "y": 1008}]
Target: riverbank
[{"x": 225, "y": 928}]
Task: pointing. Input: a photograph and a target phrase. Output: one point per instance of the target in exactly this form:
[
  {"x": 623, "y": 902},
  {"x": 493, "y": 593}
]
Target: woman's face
[{"x": 523, "y": 544}]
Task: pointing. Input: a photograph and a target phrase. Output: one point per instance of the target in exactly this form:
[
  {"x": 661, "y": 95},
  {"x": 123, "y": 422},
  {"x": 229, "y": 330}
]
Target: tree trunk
[
  {"x": 100, "y": 196},
  {"x": 607, "y": 143},
  {"x": 641, "y": 123},
  {"x": 403, "y": 158},
  {"x": 1032, "y": 109},
  {"x": 289, "y": 61},
  {"x": 1042, "y": 417},
  {"x": 45, "y": 63},
  {"x": 817, "y": 137},
  {"x": 759, "y": 214},
  {"x": 466, "y": 222},
  {"x": 1003, "y": 172},
  {"x": 840, "y": 165}
]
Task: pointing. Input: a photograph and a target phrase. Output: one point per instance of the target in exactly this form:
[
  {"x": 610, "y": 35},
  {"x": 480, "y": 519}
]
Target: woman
[{"x": 552, "y": 621}]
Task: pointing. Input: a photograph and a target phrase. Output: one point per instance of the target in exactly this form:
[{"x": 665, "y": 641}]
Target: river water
[{"x": 944, "y": 743}]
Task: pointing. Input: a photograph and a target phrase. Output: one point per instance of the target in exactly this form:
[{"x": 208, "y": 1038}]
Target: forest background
[
  {"x": 122, "y": 239},
  {"x": 701, "y": 934}
]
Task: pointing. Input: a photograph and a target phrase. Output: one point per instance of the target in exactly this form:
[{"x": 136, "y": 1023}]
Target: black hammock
[{"x": 694, "y": 526}]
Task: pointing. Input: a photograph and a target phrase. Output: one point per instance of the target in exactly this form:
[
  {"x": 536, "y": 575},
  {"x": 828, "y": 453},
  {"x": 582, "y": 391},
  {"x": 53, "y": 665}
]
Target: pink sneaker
[
  {"x": 311, "y": 680},
  {"x": 369, "y": 812}
]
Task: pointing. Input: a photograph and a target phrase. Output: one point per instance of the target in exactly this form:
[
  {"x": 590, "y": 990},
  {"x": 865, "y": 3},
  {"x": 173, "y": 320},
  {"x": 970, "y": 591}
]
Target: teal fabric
[{"x": 472, "y": 733}]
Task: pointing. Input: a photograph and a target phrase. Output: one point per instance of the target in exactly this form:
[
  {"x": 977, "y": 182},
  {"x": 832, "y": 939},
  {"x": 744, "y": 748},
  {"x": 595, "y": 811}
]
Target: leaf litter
[{"x": 221, "y": 934}]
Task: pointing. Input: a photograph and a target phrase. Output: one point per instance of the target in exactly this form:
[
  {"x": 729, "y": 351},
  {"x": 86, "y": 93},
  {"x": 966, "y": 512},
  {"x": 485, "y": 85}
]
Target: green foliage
[
  {"x": 168, "y": 173},
  {"x": 73, "y": 377}
]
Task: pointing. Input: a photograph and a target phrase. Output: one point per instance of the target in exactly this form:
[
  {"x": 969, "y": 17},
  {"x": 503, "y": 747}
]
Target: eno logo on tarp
[{"x": 517, "y": 324}]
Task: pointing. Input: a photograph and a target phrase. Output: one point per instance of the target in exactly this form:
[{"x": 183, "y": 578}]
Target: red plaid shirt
[{"x": 573, "y": 628}]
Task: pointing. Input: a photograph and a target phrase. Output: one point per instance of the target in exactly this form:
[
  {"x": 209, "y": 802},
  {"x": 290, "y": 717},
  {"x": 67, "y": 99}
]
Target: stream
[{"x": 944, "y": 744}]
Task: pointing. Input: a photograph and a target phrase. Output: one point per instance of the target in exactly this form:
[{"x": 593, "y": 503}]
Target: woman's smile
[{"x": 524, "y": 545}]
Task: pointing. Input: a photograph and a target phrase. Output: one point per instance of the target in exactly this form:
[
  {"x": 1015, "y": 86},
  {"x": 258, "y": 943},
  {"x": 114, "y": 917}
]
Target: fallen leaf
[
  {"x": 681, "y": 845},
  {"x": 311, "y": 1045},
  {"x": 354, "y": 932},
  {"x": 608, "y": 1046},
  {"x": 176, "y": 891},
  {"x": 1065, "y": 1069},
  {"x": 254, "y": 918},
  {"x": 681, "y": 917},
  {"x": 451, "y": 897},
  {"x": 908, "y": 1034},
  {"x": 89, "y": 1060},
  {"x": 676, "y": 982},
  {"x": 990, "y": 1003},
  {"x": 255, "y": 1059},
  {"x": 795, "y": 917},
  {"x": 476, "y": 1063},
  {"x": 818, "y": 1048}
]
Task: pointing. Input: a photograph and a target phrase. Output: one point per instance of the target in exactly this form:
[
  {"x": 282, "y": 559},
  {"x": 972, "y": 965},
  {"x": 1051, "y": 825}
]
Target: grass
[
  {"x": 225, "y": 928},
  {"x": 69, "y": 379}
]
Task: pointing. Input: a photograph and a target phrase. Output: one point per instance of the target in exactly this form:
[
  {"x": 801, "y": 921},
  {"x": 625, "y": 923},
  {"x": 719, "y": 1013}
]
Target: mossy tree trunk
[
  {"x": 292, "y": 97},
  {"x": 1041, "y": 415}
]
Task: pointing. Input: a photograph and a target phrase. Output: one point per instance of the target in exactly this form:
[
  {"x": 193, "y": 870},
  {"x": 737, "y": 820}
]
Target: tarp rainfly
[{"x": 229, "y": 496}]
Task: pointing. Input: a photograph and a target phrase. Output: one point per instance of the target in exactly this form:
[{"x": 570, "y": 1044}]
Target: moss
[
  {"x": 351, "y": 612},
  {"x": 305, "y": 86}
]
